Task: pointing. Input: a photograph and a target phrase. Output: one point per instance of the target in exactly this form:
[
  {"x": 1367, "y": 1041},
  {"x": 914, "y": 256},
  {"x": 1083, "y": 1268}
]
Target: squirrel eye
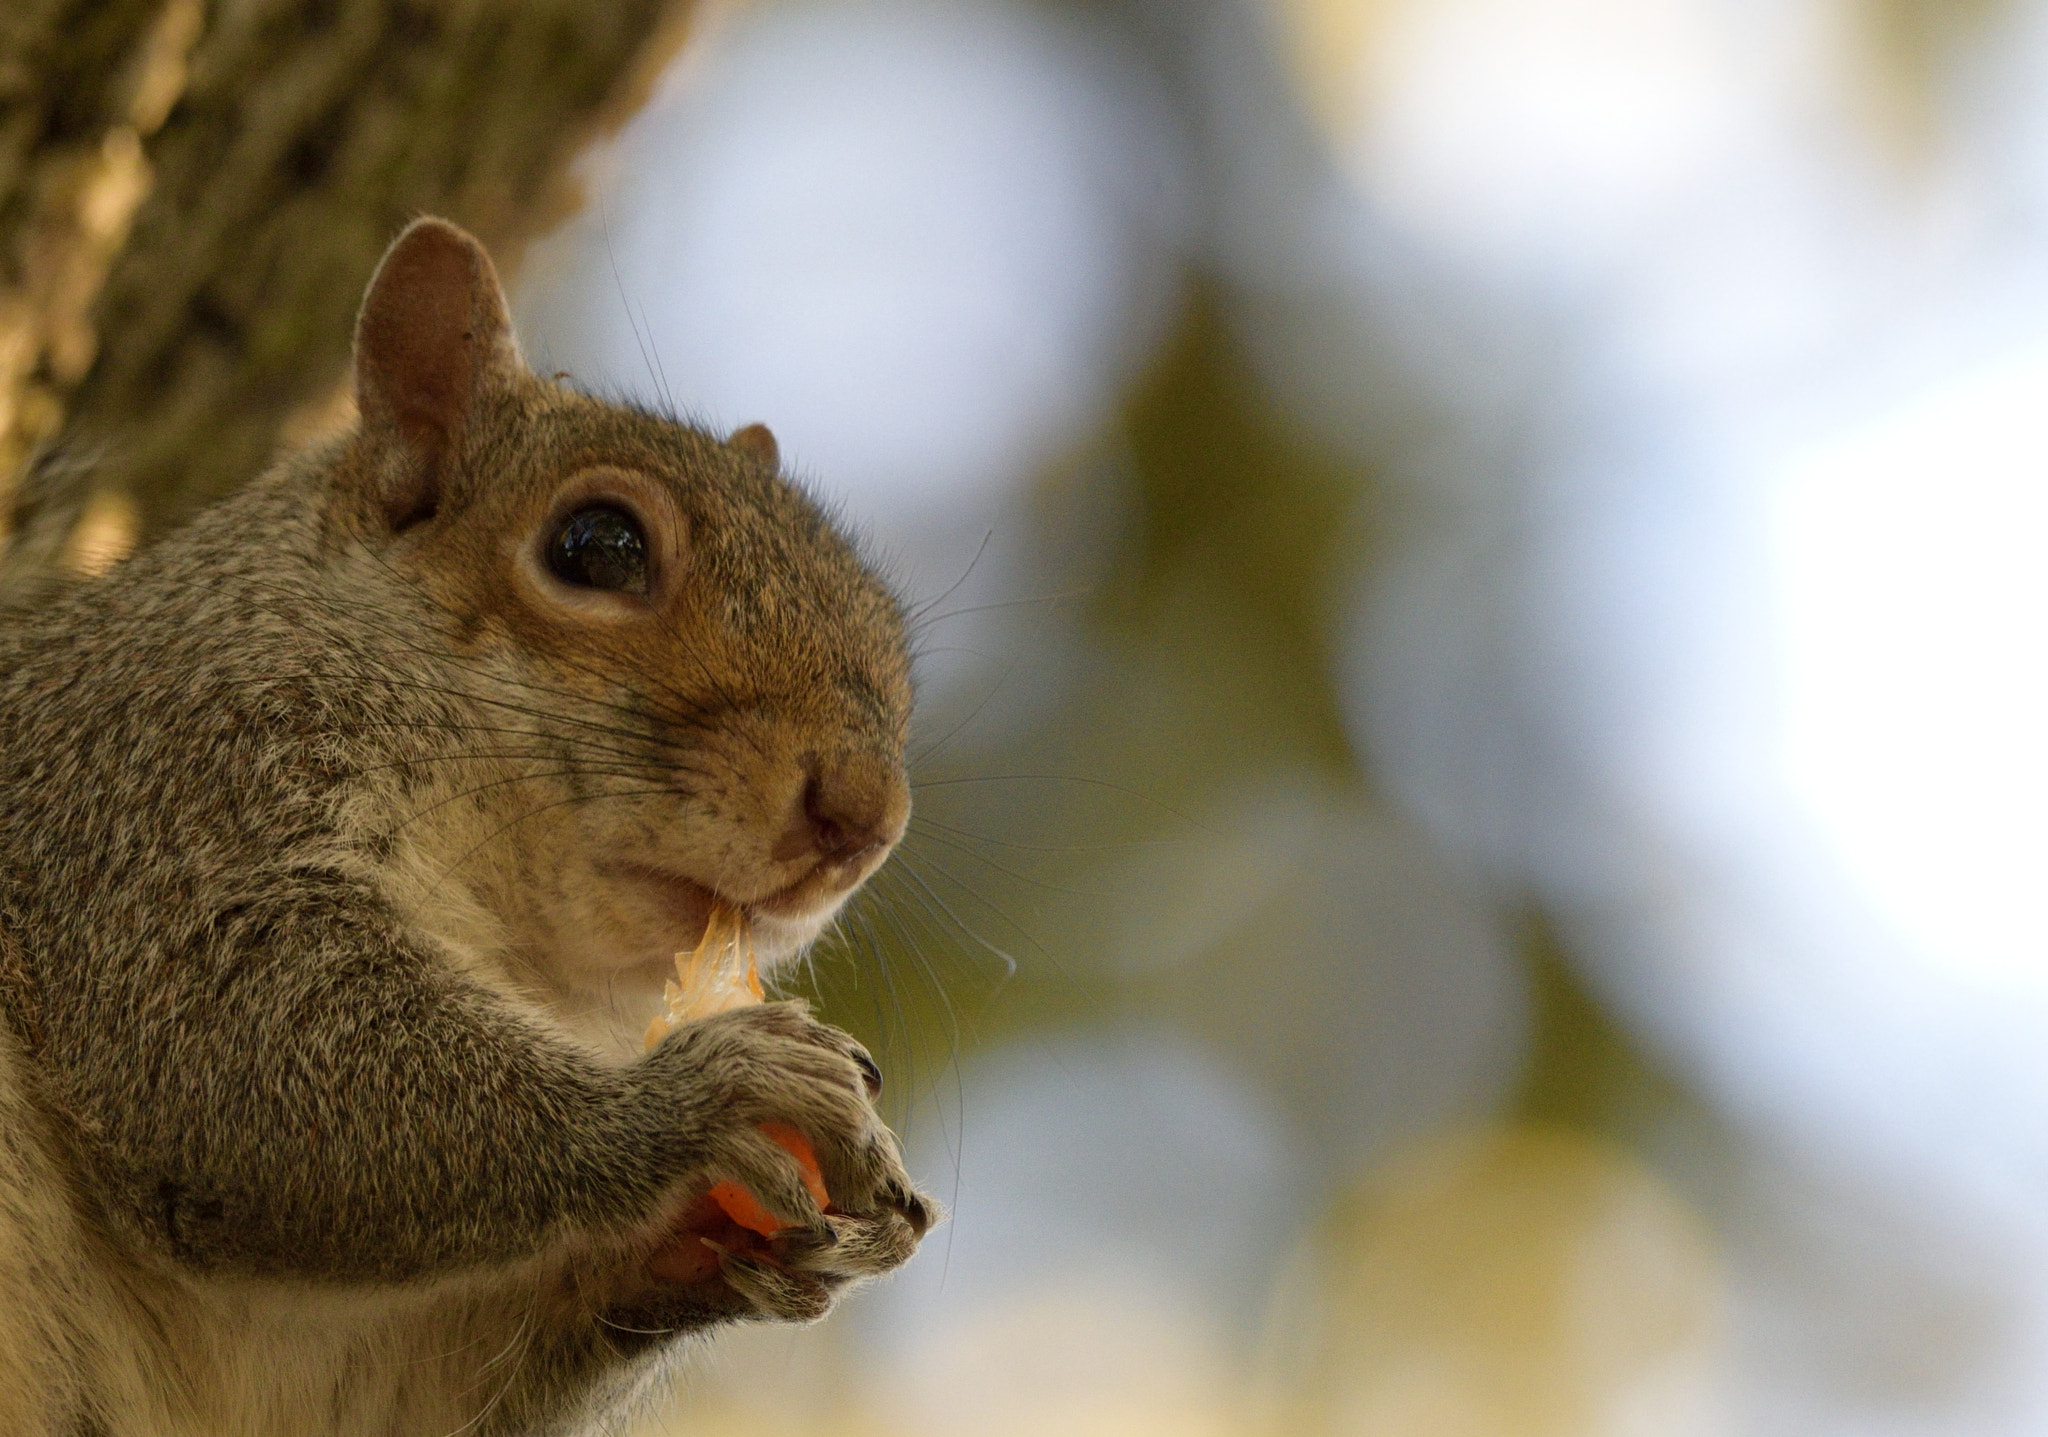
[{"x": 600, "y": 547}]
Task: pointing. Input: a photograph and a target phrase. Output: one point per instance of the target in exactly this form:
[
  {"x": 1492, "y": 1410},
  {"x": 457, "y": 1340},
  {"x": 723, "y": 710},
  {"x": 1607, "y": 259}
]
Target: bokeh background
[{"x": 1478, "y": 579}]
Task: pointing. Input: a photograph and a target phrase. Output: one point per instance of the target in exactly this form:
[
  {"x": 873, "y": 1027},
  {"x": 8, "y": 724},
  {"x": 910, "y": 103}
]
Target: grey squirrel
[{"x": 345, "y": 839}]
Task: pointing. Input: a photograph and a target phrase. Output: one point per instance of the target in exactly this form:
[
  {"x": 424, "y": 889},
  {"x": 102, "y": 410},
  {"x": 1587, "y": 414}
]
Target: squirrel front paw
[{"x": 775, "y": 1064}]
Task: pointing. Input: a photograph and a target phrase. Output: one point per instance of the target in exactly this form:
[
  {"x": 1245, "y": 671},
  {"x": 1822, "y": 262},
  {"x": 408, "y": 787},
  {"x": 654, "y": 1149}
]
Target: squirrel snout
[{"x": 848, "y": 809}]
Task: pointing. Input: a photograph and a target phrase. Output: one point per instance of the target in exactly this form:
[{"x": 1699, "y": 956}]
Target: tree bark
[{"x": 193, "y": 192}]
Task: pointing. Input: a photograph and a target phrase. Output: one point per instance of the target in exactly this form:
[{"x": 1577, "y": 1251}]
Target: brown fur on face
[
  {"x": 763, "y": 642},
  {"x": 343, "y": 845},
  {"x": 761, "y": 675}
]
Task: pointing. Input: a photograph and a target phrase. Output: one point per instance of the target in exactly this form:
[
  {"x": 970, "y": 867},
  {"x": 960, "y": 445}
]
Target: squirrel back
[{"x": 345, "y": 839}]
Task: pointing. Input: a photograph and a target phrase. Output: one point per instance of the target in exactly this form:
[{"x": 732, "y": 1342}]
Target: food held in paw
[
  {"x": 739, "y": 1204},
  {"x": 719, "y": 974}
]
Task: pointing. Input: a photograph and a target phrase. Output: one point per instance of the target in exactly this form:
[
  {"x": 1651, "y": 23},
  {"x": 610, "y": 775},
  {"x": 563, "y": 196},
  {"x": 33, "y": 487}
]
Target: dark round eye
[{"x": 600, "y": 547}]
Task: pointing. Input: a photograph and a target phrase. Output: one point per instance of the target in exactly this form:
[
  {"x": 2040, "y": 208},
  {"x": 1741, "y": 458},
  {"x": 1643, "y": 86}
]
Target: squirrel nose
[{"x": 848, "y": 809}]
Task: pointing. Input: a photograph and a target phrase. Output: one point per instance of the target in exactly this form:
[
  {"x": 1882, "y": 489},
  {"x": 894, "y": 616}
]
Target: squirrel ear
[
  {"x": 758, "y": 443},
  {"x": 433, "y": 332}
]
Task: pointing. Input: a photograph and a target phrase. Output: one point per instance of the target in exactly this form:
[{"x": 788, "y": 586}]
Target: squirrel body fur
[{"x": 343, "y": 847}]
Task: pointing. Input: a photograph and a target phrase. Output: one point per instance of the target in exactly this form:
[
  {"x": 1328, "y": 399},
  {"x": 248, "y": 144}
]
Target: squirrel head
[{"x": 676, "y": 679}]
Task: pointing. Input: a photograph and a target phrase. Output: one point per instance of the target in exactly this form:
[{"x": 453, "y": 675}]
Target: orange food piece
[
  {"x": 719, "y": 974},
  {"x": 741, "y": 1205}
]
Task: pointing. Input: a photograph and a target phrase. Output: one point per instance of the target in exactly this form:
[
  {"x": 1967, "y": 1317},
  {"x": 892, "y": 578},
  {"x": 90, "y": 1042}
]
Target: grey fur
[{"x": 300, "y": 1128}]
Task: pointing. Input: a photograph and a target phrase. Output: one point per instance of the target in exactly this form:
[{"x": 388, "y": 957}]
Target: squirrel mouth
[
  {"x": 820, "y": 889},
  {"x": 687, "y": 904},
  {"x": 783, "y": 921}
]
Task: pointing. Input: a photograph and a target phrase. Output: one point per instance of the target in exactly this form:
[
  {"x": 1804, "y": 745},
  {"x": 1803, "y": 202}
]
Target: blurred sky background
[{"x": 1484, "y": 663}]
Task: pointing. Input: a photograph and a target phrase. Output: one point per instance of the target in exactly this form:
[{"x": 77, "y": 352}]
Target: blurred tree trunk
[{"x": 193, "y": 193}]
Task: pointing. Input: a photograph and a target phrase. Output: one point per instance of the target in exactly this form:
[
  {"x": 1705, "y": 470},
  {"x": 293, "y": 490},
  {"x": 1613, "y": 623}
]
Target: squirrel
[{"x": 346, "y": 836}]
